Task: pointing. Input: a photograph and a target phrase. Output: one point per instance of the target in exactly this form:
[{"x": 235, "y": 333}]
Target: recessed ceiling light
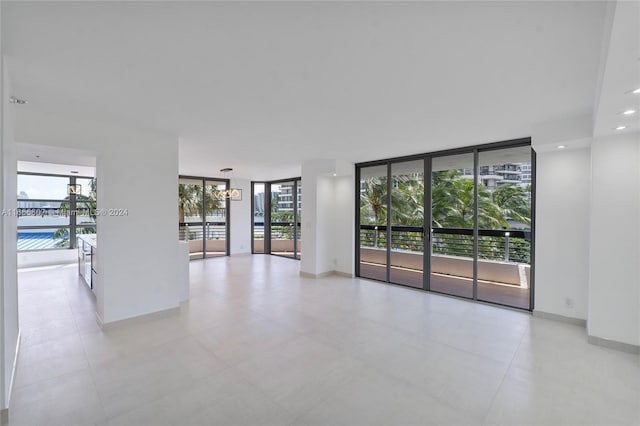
[
  {"x": 636, "y": 91},
  {"x": 629, "y": 112},
  {"x": 561, "y": 146},
  {"x": 335, "y": 174},
  {"x": 621, "y": 127}
]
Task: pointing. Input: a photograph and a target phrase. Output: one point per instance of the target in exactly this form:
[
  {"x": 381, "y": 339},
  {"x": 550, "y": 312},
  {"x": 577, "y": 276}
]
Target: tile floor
[{"x": 258, "y": 344}]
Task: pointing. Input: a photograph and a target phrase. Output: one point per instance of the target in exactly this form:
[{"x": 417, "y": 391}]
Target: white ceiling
[
  {"x": 622, "y": 73},
  {"x": 262, "y": 87}
]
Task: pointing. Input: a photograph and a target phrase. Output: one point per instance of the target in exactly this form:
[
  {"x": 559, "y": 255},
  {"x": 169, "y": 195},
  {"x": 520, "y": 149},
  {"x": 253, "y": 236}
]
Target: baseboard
[
  {"x": 343, "y": 274},
  {"x": 137, "y": 319},
  {"x": 612, "y": 344},
  {"x": 4, "y": 416},
  {"x": 561, "y": 318},
  {"x": 310, "y": 275}
]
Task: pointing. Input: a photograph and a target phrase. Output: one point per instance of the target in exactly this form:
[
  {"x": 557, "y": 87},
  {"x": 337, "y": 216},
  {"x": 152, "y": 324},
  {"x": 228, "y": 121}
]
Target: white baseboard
[
  {"x": 561, "y": 318},
  {"x": 325, "y": 274},
  {"x": 612, "y": 344},
  {"x": 137, "y": 319},
  {"x": 320, "y": 275}
]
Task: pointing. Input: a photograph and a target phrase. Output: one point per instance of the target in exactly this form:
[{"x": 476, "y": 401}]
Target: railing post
[
  {"x": 506, "y": 246},
  {"x": 375, "y": 237}
]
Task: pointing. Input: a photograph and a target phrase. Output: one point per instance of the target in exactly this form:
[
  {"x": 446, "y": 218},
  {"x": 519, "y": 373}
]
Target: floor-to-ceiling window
[
  {"x": 277, "y": 208},
  {"x": 373, "y": 222},
  {"x": 406, "y": 217},
  {"x": 457, "y": 222},
  {"x": 202, "y": 216},
  {"x": 452, "y": 222},
  {"x": 258, "y": 208}
]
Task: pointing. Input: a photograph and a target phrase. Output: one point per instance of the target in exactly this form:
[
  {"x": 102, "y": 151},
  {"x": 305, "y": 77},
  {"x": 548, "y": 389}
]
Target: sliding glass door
[
  {"x": 190, "y": 216},
  {"x": 477, "y": 203},
  {"x": 202, "y": 216},
  {"x": 452, "y": 223},
  {"x": 215, "y": 227},
  {"x": 258, "y": 235},
  {"x": 277, "y": 209},
  {"x": 504, "y": 241},
  {"x": 407, "y": 223},
  {"x": 282, "y": 219},
  {"x": 373, "y": 223}
]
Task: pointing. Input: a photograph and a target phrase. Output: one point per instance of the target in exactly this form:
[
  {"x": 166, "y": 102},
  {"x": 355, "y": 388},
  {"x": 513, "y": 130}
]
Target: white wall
[
  {"x": 241, "y": 217},
  {"x": 562, "y": 232},
  {"x": 10, "y": 330},
  {"x": 614, "y": 284},
  {"x": 325, "y": 234},
  {"x": 344, "y": 223},
  {"x": 138, "y": 171},
  {"x": 328, "y": 217}
]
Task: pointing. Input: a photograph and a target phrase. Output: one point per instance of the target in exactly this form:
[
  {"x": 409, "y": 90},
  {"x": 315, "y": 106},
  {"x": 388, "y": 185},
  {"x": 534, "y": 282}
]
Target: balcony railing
[
  {"x": 493, "y": 244},
  {"x": 194, "y": 231}
]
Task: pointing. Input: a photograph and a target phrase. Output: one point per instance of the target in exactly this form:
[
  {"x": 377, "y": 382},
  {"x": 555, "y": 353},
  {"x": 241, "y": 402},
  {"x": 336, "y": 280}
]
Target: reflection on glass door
[
  {"x": 283, "y": 227},
  {"x": 258, "y": 217},
  {"x": 452, "y": 223},
  {"x": 504, "y": 226},
  {"x": 373, "y": 222},
  {"x": 298, "y": 218},
  {"x": 190, "y": 215},
  {"x": 407, "y": 223},
  {"x": 215, "y": 227}
]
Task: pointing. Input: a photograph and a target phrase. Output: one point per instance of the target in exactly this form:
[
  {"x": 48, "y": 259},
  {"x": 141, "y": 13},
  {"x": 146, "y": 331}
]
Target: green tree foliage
[
  {"x": 191, "y": 198},
  {"x": 452, "y": 206}
]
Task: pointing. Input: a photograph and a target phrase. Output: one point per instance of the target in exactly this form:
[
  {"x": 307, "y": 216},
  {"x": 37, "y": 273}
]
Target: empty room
[{"x": 320, "y": 213}]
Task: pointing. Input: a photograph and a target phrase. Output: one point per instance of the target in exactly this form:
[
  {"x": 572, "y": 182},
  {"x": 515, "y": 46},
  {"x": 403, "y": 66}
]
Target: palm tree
[
  {"x": 373, "y": 201},
  {"x": 187, "y": 202},
  {"x": 514, "y": 203}
]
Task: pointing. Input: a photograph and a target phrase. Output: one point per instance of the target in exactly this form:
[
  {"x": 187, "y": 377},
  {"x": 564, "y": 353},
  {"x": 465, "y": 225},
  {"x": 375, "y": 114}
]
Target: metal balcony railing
[
  {"x": 493, "y": 244},
  {"x": 194, "y": 231}
]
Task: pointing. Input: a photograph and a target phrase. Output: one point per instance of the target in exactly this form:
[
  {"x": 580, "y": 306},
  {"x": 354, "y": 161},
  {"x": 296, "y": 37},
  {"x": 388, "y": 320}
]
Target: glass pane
[
  {"x": 43, "y": 239},
  {"x": 42, "y": 187},
  {"x": 87, "y": 189},
  {"x": 216, "y": 218},
  {"x": 85, "y": 212},
  {"x": 373, "y": 222},
  {"x": 282, "y": 226},
  {"x": 452, "y": 210},
  {"x": 258, "y": 217},
  {"x": 86, "y": 201},
  {"x": 190, "y": 215},
  {"x": 298, "y": 224},
  {"x": 407, "y": 220},
  {"x": 43, "y": 213},
  {"x": 504, "y": 222}
]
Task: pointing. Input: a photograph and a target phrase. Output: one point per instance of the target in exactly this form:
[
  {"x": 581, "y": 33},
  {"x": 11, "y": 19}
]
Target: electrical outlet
[{"x": 568, "y": 302}]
